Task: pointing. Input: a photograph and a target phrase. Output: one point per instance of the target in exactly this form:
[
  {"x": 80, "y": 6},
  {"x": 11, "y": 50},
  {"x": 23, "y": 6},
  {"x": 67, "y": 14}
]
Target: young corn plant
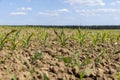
[
  {"x": 43, "y": 36},
  {"x": 74, "y": 61},
  {"x": 26, "y": 41},
  {"x": 62, "y": 38},
  {"x": 80, "y": 37},
  {"x": 103, "y": 36},
  {"x": 3, "y": 39},
  {"x": 111, "y": 38},
  {"x": 46, "y": 77},
  {"x": 97, "y": 59},
  {"x": 14, "y": 40},
  {"x": 85, "y": 71},
  {"x": 95, "y": 39},
  {"x": 118, "y": 38}
]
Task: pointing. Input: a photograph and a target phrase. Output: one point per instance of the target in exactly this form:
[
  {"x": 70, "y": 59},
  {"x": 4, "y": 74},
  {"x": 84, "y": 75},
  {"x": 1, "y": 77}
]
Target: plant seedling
[
  {"x": 95, "y": 39},
  {"x": 27, "y": 40},
  {"x": 37, "y": 56},
  {"x": 80, "y": 37},
  {"x": 43, "y": 36},
  {"x": 3, "y": 39},
  {"x": 99, "y": 55},
  {"x": 14, "y": 40},
  {"x": 62, "y": 38},
  {"x": 103, "y": 36},
  {"x": 46, "y": 77}
]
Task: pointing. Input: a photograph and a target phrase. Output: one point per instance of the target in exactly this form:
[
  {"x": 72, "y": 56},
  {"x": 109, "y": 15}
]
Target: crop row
[{"x": 79, "y": 37}]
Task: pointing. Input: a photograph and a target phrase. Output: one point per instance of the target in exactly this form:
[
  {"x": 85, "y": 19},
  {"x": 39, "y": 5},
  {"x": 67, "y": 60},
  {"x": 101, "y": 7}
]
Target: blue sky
[{"x": 59, "y": 12}]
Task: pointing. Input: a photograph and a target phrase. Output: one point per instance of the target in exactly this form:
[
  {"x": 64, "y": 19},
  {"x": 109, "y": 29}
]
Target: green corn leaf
[{"x": 46, "y": 77}]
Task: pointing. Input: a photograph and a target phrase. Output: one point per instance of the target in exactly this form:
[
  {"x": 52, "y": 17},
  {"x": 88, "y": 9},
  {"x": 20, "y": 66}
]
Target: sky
[{"x": 59, "y": 12}]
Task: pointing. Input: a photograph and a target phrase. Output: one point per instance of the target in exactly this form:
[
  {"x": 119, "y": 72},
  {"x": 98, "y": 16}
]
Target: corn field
[{"x": 33, "y": 53}]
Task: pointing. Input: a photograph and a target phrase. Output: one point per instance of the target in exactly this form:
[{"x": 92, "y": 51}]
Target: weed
[
  {"x": 66, "y": 60},
  {"x": 37, "y": 56},
  {"x": 70, "y": 61}
]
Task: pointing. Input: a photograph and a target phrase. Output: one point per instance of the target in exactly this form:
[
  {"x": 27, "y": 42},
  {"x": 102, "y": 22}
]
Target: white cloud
[
  {"x": 54, "y": 12},
  {"x": 85, "y": 2},
  {"x": 18, "y": 13},
  {"x": 98, "y": 12},
  {"x": 25, "y": 8},
  {"x": 62, "y": 10},
  {"x": 21, "y": 11},
  {"x": 115, "y": 2}
]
